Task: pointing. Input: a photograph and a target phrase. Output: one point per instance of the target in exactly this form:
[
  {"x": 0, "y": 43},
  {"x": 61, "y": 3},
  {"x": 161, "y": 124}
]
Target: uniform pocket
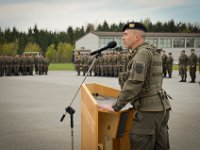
[
  {"x": 142, "y": 139},
  {"x": 139, "y": 116}
]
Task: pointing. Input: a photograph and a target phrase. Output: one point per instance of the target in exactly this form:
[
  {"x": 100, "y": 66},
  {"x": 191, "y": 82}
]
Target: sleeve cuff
[{"x": 116, "y": 108}]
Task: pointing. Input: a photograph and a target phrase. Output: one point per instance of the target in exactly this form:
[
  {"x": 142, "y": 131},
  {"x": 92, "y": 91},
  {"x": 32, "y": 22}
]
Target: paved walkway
[{"x": 31, "y": 107}]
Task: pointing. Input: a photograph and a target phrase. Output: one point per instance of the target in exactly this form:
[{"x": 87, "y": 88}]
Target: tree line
[{"x": 58, "y": 46}]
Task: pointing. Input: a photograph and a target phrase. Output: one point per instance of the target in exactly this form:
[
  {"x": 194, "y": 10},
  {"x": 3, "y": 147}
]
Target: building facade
[{"x": 170, "y": 42}]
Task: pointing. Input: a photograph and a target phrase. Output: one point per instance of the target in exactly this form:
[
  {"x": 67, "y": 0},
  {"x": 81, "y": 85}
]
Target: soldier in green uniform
[
  {"x": 89, "y": 63},
  {"x": 96, "y": 68},
  {"x": 30, "y": 63},
  {"x": 9, "y": 65},
  {"x": 183, "y": 63},
  {"x": 46, "y": 65},
  {"x": 106, "y": 64},
  {"x": 101, "y": 64},
  {"x": 36, "y": 63},
  {"x": 123, "y": 61},
  {"x": 164, "y": 63},
  {"x": 170, "y": 61},
  {"x": 16, "y": 63},
  {"x": 115, "y": 69},
  {"x": 24, "y": 64},
  {"x": 110, "y": 64},
  {"x": 1, "y": 66},
  {"x": 192, "y": 62},
  {"x": 199, "y": 66},
  {"x": 40, "y": 65},
  {"x": 77, "y": 63},
  {"x": 143, "y": 89},
  {"x": 85, "y": 64},
  {"x": 81, "y": 62},
  {"x": 119, "y": 63}
]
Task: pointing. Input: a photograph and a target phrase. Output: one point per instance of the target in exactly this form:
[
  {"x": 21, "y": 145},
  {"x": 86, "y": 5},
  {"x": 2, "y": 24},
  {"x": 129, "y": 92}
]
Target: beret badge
[{"x": 131, "y": 25}]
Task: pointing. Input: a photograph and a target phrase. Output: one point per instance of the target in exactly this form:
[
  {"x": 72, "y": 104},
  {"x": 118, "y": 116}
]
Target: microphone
[{"x": 111, "y": 44}]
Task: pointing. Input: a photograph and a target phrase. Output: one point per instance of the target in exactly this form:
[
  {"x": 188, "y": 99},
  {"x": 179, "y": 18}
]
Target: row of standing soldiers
[
  {"x": 23, "y": 65},
  {"x": 184, "y": 61},
  {"x": 109, "y": 64}
]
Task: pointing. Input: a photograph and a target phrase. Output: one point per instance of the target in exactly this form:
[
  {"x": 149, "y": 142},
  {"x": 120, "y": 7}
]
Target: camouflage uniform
[
  {"x": 16, "y": 62},
  {"x": 192, "y": 62},
  {"x": 101, "y": 64},
  {"x": 40, "y": 65},
  {"x": 78, "y": 64},
  {"x": 119, "y": 63},
  {"x": 106, "y": 65},
  {"x": 164, "y": 64},
  {"x": 199, "y": 66},
  {"x": 24, "y": 65},
  {"x": 81, "y": 62},
  {"x": 183, "y": 63},
  {"x": 8, "y": 66},
  {"x": 115, "y": 68},
  {"x": 170, "y": 61},
  {"x": 89, "y": 63},
  {"x": 124, "y": 60},
  {"x": 143, "y": 89},
  {"x": 36, "y": 63},
  {"x": 110, "y": 65},
  {"x": 30, "y": 63},
  {"x": 1, "y": 66},
  {"x": 46, "y": 65},
  {"x": 85, "y": 64},
  {"x": 95, "y": 68}
]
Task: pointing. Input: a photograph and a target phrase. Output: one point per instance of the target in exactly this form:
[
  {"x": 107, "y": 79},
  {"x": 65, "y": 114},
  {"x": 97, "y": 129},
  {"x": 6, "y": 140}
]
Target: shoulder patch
[{"x": 139, "y": 67}]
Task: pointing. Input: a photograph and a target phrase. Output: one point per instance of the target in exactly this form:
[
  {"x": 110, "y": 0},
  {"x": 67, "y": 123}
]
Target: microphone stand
[{"x": 70, "y": 110}]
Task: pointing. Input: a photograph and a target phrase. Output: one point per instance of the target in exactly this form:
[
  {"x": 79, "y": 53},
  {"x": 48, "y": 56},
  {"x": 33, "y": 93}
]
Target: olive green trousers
[{"x": 150, "y": 131}]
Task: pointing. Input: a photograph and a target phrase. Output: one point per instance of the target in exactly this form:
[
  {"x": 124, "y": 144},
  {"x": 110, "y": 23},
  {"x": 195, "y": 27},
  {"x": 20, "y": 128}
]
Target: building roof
[
  {"x": 149, "y": 34},
  {"x": 108, "y": 33}
]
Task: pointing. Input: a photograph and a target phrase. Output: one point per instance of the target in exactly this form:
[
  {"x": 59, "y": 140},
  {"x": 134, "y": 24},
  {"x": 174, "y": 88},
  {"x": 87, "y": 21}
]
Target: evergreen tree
[
  {"x": 90, "y": 28},
  {"x": 105, "y": 26},
  {"x": 70, "y": 35}
]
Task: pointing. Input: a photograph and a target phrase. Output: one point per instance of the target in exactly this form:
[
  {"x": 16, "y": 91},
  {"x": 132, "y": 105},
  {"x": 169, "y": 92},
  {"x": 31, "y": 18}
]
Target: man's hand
[{"x": 107, "y": 107}]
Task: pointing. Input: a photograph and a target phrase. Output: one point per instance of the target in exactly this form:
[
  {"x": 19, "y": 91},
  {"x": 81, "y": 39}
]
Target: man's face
[{"x": 128, "y": 39}]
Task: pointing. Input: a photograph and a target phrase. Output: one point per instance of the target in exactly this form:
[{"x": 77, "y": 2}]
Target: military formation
[
  {"x": 110, "y": 64},
  {"x": 23, "y": 65}
]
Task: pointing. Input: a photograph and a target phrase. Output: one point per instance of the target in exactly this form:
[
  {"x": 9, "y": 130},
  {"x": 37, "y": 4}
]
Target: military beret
[{"x": 135, "y": 25}]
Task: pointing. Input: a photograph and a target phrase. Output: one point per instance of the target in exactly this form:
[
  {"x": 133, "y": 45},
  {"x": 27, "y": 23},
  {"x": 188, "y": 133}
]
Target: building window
[
  {"x": 190, "y": 43},
  {"x": 197, "y": 42},
  {"x": 179, "y": 43},
  {"x": 105, "y": 41},
  {"x": 152, "y": 41},
  {"x": 119, "y": 42},
  {"x": 165, "y": 43}
]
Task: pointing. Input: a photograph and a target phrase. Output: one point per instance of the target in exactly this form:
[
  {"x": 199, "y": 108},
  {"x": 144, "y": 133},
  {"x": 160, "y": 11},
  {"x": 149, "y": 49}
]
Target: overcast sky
[{"x": 57, "y": 15}]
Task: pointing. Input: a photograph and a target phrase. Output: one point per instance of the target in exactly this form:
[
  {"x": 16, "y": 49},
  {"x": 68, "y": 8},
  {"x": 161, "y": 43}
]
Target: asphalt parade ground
[{"x": 31, "y": 108}]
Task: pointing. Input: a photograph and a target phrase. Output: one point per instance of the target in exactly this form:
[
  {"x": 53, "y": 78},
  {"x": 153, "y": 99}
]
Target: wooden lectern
[{"x": 100, "y": 129}]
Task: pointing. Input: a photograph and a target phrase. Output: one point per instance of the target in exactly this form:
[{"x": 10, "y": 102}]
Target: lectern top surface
[{"x": 106, "y": 100}]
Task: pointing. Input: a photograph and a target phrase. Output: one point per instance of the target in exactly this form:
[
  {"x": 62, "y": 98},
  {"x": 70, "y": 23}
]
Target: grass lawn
[
  {"x": 70, "y": 66},
  {"x": 176, "y": 67},
  {"x": 61, "y": 66}
]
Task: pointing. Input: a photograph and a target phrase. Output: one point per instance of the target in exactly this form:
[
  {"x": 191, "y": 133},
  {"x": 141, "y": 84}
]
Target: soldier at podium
[{"x": 143, "y": 89}]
